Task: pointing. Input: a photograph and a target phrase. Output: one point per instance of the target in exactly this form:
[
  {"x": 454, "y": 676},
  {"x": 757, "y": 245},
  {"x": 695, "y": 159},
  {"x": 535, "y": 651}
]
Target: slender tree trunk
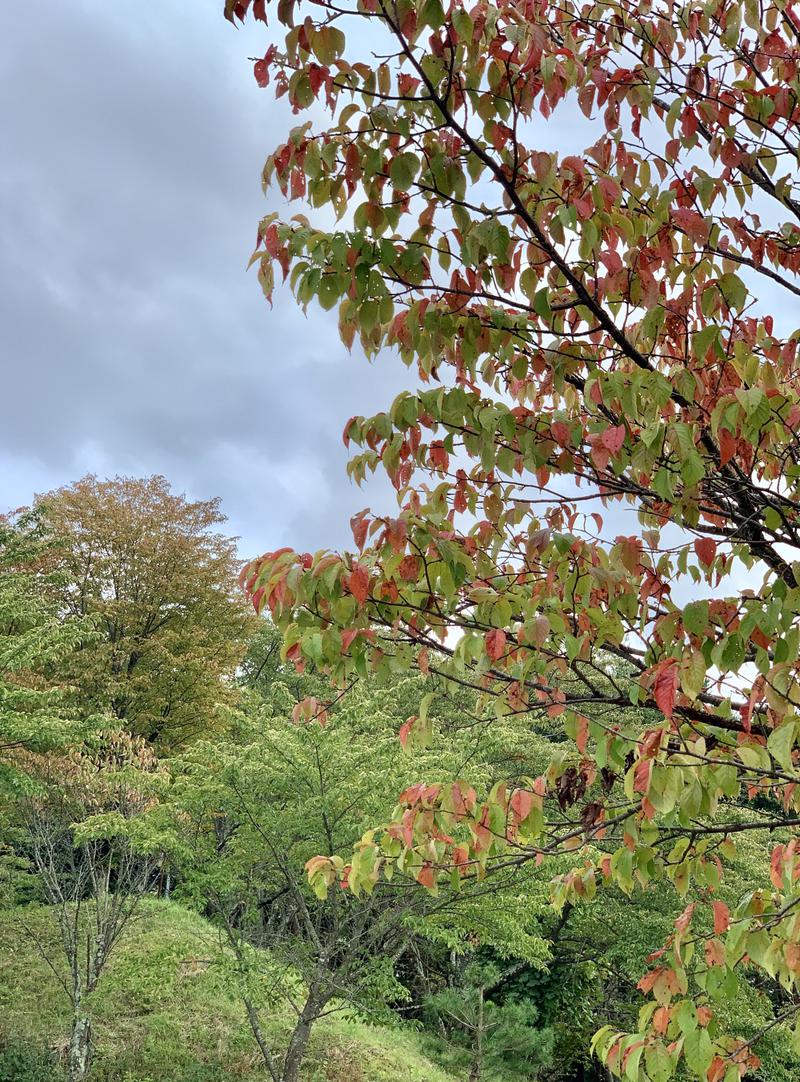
[
  {"x": 255, "y": 1025},
  {"x": 477, "y": 1045},
  {"x": 79, "y": 1046},
  {"x": 298, "y": 1043}
]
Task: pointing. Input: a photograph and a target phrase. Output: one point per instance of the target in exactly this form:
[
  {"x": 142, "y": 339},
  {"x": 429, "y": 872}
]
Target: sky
[{"x": 132, "y": 338}]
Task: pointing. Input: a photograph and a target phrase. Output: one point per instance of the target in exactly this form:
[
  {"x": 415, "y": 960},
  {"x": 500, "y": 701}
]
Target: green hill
[{"x": 166, "y": 1010}]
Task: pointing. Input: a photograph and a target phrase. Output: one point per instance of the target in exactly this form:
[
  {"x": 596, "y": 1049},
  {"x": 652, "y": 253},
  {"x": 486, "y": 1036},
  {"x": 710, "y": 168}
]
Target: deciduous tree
[
  {"x": 152, "y": 569},
  {"x": 94, "y": 848},
  {"x": 38, "y": 713},
  {"x": 597, "y": 457}
]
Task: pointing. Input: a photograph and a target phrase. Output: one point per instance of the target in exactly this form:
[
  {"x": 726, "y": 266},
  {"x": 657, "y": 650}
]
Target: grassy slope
[{"x": 165, "y": 1009}]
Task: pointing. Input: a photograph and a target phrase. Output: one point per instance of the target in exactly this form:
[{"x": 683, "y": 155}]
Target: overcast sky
[{"x": 133, "y": 339}]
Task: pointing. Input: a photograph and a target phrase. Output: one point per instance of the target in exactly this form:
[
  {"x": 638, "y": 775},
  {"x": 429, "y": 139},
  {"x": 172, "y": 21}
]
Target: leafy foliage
[
  {"x": 254, "y": 808},
  {"x": 600, "y": 459},
  {"x": 149, "y": 567},
  {"x": 37, "y": 710},
  {"x": 169, "y": 1009}
]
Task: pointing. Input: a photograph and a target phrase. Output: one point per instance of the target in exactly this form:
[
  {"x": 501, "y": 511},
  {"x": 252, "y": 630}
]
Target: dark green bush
[{"x": 21, "y": 1063}]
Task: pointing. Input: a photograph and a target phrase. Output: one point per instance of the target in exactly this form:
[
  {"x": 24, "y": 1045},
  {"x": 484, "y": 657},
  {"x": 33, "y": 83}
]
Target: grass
[{"x": 166, "y": 1008}]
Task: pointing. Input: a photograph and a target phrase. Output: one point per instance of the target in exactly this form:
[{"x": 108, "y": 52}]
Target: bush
[{"x": 21, "y": 1063}]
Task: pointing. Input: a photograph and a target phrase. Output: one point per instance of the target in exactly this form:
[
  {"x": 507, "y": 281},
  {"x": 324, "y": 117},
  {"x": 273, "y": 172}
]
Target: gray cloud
[{"x": 133, "y": 340}]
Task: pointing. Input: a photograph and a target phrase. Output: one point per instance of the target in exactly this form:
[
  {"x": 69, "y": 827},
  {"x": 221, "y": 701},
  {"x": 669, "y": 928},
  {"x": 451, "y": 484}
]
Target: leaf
[
  {"x": 426, "y": 876},
  {"x": 666, "y": 686},
  {"x": 495, "y": 641},
  {"x": 403, "y": 170},
  {"x": 358, "y": 583},
  {"x": 722, "y": 917},
  {"x": 261, "y": 73},
  {"x": 521, "y": 803},
  {"x": 613, "y": 439},
  {"x": 642, "y": 776},
  {"x": 706, "y": 549},
  {"x": 780, "y": 743},
  {"x": 581, "y": 733},
  {"x": 359, "y": 524}
]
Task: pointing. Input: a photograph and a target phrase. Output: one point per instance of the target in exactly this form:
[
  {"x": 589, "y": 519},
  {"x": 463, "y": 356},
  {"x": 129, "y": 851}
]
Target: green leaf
[{"x": 781, "y": 742}]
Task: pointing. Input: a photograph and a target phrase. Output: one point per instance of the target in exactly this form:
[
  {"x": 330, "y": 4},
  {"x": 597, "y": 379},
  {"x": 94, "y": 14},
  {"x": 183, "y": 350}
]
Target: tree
[
  {"x": 37, "y": 712},
  {"x": 93, "y": 832},
  {"x": 149, "y": 566},
  {"x": 255, "y": 807},
  {"x": 600, "y": 458},
  {"x": 503, "y": 1038}
]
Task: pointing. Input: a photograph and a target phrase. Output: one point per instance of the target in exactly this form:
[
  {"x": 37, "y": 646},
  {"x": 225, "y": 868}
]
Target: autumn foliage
[{"x": 578, "y": 226}]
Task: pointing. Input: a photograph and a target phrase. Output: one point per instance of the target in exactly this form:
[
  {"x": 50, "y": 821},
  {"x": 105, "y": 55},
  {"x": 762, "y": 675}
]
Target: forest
[
  {"x": 169, "y": 779},
  {"x": 507, "y": 789}
]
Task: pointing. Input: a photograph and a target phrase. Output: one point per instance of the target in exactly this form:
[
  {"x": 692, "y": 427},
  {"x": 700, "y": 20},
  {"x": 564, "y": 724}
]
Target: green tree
[
  {"x": 598, "y": 453},
  {"x": 92, "y": 827},
  {"x": 298, "y": 776},
  {"x": 503, "y": 1038},
  {"x": 151, "y": 569},
  {"x": 38, "y": 712}
]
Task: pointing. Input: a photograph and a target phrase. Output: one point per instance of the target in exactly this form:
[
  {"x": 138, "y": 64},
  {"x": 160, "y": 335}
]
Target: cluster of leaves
[
  {"x": 38, "y": 713},
  {"x": 154, "y": 573},
  {"x": 586, "y": 336}
]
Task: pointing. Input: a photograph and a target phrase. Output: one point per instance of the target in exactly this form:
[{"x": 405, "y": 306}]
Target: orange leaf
[
  {"x": 495, "y": 643},
  {"x": 521, "y": 804},
  {"x": 358, "y": 583},
  {"x": 722, "y": 917},
  {"x": 706, "y": 549}
]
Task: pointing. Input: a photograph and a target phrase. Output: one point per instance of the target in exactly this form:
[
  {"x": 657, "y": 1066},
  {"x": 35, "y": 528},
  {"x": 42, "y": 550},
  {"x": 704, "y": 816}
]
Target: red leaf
[
  {"x": 495, "y": 643},
  {"x": 613, "y": 438},
  {"x": 521, "y": 803},
  {"x": 359, "y": 525},
  {"x": 582, "y": 733},
  {"x": 261, "y": 72},
  {"x": 685, "y": 919},
  {"x": 425, "y": 876},
  {"x": 409, "y": 568},
  {"x": 405, "y": 729},
  {"x": 715, "y": 953},
  {"x": 641, "y": 776},
  {"x": 561, "y": 433},
  {"x": 776, "y": 867},
  {"x": 358, "y": 583},
  {"x": 727, "y": 446},
  {"x": 706, "y": 549},
  {"x": 666, "y": 687},
  {"x": 298, "y": 184},
  {"x": 722, "y": 917},
  {"x": 439, "y": 457},
  {"x": 346, "y": 432}
]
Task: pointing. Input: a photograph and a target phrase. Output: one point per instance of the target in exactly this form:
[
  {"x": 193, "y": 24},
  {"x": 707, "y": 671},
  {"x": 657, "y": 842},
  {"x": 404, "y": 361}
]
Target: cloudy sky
[{"x": 133, "y": 339}]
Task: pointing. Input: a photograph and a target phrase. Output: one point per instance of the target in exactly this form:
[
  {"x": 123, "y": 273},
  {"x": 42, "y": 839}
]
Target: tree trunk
[
  {"x": 255, "y": 1025},
  {"x": 79, "y": 1047},
  {"x": 298, "y": 1043}
]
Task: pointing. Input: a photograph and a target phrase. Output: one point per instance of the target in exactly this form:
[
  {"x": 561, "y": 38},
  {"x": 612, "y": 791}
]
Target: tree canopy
[
  {"x": 152, "y": 570},
  {"x": 596, "y": 459},
  {"x": 38, "y": 712}
]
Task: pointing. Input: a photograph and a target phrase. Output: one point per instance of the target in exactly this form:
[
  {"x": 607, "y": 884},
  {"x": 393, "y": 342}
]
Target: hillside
[{"x": 168, "y": 1011}]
